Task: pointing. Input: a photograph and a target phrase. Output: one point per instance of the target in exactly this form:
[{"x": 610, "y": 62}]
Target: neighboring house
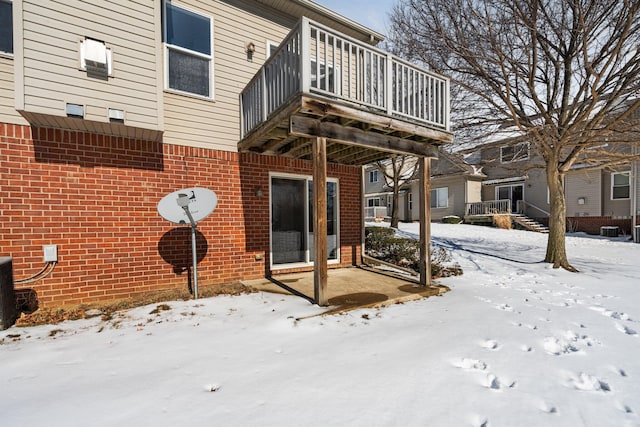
[
  {"x": 106, "y": 107},
  {"x": 594, "y": 197},
  {"x": 377, "y": 196},
  {"x": 454, "y": 184}
]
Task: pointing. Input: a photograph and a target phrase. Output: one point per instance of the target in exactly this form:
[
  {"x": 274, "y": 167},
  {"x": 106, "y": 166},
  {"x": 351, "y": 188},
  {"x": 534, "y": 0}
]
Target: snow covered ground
[{"x": 515, "y": 343}]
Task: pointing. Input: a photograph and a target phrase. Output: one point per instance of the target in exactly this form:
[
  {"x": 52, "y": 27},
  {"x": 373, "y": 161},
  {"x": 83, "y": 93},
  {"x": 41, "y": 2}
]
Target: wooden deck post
[
  {"x": 320, "y": 221},
  {"x": 425, "y": 221}
]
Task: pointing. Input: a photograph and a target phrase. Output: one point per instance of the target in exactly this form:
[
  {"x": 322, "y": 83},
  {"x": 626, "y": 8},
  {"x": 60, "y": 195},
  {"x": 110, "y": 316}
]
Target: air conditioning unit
[
  {"x": 609, "y": 231},
  {"x": 8, "y": 312}
]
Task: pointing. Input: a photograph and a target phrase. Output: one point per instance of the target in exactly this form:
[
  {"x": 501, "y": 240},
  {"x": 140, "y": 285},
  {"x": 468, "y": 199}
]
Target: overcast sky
[{"x": 372, "y": 13}]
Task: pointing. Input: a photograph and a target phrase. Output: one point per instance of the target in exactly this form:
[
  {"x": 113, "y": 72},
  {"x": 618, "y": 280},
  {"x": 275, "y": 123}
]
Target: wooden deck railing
[
  {"x": 316, "y": 59},
  {"x": 490, "y": 207}
]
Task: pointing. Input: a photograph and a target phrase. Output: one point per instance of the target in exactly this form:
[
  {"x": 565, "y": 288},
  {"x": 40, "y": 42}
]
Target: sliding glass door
[{"x": 292, "y": 220}]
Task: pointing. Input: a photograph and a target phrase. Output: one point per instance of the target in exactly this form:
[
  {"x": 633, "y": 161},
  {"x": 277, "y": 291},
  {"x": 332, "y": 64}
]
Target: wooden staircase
[{"x": 529, "y": 224}]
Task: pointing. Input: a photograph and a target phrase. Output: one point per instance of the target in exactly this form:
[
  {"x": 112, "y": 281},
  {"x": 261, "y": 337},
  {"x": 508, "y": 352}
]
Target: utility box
[{"x": 7, "y": 295}]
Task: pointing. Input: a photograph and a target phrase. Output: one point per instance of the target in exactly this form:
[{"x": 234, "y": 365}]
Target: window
[
  {"x": 373, "y": 176},
  {"x": 620, "y": 185},
  {"x": 271, "y": 48},
  {"x": 440, "y": 197},
  {"x": 188, "y": 57},
  {"x": 373, "y": 202},
  {"x": 6, "y": 27},
  {"x": 410, "y": 201},
  {"x": 514, "y": 153},
  {"x": 323, "y": 76}
]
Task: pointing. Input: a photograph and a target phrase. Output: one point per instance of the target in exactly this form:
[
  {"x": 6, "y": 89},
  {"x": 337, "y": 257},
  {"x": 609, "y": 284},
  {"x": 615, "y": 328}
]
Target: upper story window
[
  {"x": 373, "y": 176},
  {"x": 188, "y": 38},
  {"x": 271, "y": 48},
  {"x": 620, "y": 185},
  {"x": 6, "y": 27},
  {"x": 514, "y": 153}
]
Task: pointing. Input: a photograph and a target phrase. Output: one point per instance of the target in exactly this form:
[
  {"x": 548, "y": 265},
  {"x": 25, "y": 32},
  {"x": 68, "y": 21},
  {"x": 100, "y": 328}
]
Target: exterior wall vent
[
  {"x": 75, "y": 110},
  {"x": 95, "y": 58},
  {"x": 116, "y": 115}
]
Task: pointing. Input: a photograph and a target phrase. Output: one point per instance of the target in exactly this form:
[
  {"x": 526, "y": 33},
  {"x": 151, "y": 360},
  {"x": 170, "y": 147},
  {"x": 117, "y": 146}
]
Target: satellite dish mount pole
[{"x": 183, "y": 202}]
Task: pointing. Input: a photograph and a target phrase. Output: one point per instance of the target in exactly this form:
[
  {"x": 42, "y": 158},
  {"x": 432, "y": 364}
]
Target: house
[
  {"x": 274, "y": 105},
  {"x": 516, "y": 183},
  {"x": 454, "y": 184}
]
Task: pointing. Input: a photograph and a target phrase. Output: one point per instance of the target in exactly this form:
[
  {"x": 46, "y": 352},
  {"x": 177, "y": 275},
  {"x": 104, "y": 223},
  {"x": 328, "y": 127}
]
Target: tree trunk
[
  {"x": 394, "y": 206},
  {"x": 556, "y": 249}
]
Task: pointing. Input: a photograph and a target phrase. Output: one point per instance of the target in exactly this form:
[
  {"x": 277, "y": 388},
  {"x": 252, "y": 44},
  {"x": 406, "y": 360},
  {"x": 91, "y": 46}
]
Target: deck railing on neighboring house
[
  {"x": 489, "y": 207},
  {"x": 372, "y": 213},
  {"x": 316, "y": 59}
]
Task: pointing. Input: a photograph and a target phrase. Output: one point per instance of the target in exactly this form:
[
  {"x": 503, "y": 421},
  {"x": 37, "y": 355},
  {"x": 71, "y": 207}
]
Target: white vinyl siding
[
  {"x": 48, "y": 73},
  {"x": 199, "y": 122},
  {"x": 8, "y": 113}
]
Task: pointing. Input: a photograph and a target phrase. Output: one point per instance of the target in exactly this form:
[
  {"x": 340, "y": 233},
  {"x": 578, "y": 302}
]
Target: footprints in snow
[
  {"x": 487, "y": 379},
  {"x": 586, "y": 382},
  {"x": 624, "y": 317},
  {"x": 569, "y": 343}
]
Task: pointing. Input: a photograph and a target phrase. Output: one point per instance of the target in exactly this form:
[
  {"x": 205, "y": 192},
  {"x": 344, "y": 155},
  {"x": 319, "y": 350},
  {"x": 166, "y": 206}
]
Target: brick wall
[
  {"x": 96, "y": 197},
  {"x": 592, "y": 224}
]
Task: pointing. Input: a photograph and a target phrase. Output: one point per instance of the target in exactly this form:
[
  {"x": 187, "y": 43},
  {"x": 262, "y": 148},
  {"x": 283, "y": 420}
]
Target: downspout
[
  {"x": 362, "y": 218},
  {"x": 634, "y": 197}
]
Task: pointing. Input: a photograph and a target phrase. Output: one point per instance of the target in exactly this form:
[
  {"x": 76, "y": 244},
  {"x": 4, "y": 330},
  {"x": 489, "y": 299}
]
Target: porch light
[{"x": 250, "y": 47}]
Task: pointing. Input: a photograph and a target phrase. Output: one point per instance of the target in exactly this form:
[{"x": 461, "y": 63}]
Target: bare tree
[
  {"x": 398, "y": 172},
  {"x": 564, "y": 73}
]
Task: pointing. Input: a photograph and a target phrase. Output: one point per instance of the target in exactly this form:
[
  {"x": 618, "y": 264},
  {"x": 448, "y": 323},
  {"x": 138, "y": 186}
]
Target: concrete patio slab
[{"x": 350, "y": 288}]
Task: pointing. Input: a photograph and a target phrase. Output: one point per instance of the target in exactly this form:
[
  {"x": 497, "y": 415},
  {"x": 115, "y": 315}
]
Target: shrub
[
  {"x": 381, "y": 243},
  {"x": 451, "y": 219},
  {"x": 378, "y": 238},
  {"x": 503, "y": 221}
]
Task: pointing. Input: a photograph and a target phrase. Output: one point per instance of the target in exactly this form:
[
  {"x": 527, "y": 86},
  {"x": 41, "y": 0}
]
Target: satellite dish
[{"x": 200, "y": 201}]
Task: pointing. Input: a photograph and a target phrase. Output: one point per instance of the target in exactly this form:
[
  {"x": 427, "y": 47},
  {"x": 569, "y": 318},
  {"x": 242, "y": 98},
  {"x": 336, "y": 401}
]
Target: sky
[
  {"x": 513, "y": 343},
  {"x": 371, "y": 13}
]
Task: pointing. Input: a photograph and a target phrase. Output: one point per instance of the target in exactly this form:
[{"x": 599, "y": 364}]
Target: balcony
[{"x": 366, "y": 102}]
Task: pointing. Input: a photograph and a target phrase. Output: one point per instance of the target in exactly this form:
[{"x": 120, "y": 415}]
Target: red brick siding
[
  {"x": 96, "y": 197},
  {"x": 592, "y": 224}
]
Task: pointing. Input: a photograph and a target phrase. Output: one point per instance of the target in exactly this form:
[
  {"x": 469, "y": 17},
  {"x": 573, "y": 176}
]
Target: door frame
[
  {"x": 514, "y": 204},
  {"x": 308, "y": 262}
]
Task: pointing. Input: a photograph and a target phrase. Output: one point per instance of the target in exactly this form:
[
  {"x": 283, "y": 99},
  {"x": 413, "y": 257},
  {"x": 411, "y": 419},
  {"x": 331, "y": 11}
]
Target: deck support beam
[
  {"x": 320, "y": 255},
  {"x": 425, "y": 221}
]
